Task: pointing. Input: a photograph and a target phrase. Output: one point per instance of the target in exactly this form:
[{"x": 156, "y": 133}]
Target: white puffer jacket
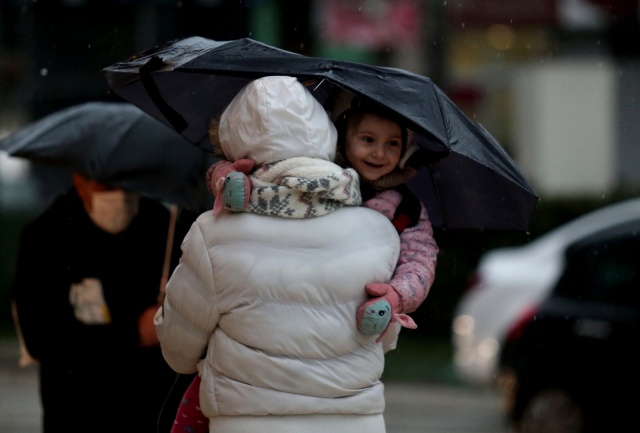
[{"x": 273, "y": 303}]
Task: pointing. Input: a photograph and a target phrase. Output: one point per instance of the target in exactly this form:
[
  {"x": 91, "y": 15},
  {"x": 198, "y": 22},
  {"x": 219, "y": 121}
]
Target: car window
[{"x": 605, "y": 270}]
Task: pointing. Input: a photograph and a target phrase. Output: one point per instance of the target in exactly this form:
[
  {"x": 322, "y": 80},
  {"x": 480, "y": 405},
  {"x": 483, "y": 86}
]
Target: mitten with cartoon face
[
  {"x": 229, "y": 183},
  {"x": 383, "y": 308}
]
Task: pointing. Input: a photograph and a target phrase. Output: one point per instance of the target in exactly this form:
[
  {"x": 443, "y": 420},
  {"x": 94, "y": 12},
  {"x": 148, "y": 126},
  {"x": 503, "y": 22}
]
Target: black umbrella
[
  {"x": 468, "y": 181},
  {"x": 119, "y": 144}
]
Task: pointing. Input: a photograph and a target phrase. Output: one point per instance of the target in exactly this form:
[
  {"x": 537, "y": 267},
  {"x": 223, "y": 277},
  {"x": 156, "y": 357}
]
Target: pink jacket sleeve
[{"x": 416, "y": 267}]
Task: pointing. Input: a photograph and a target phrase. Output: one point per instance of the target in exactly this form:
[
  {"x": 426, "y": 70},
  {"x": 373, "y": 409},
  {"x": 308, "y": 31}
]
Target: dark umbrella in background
[
  {"x": 121, "y": 145},
  {"x": 468, "y": 180},
  {"x": 115, "y": 143}
]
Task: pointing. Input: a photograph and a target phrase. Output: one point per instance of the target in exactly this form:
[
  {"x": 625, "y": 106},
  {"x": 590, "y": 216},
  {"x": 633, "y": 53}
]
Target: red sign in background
[
  {"x": 513, "y": 12},
  {"x": 373, "y": 24}
]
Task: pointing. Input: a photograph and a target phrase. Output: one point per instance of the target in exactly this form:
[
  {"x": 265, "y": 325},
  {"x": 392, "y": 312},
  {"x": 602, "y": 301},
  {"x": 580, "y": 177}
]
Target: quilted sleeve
[
  {"x": 188, "y": 314},
  {"x": 416, "y": 267},
  {"x": 385, "y": 202}
]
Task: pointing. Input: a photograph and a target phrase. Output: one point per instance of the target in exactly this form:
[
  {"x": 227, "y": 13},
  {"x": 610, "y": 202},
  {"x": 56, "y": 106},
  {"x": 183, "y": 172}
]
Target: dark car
[{"x": 572, "y": 364}]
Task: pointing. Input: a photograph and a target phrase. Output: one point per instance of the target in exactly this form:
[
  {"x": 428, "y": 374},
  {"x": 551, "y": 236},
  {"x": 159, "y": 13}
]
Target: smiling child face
[{"x": 373, "y": 145}]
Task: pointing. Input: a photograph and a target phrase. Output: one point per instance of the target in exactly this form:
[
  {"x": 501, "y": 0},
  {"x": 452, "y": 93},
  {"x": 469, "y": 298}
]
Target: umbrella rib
[{"x": 177, "y": 121}]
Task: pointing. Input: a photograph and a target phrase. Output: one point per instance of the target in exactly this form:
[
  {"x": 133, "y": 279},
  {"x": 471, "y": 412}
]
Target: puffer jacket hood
[{"x": 274, "y": 118}]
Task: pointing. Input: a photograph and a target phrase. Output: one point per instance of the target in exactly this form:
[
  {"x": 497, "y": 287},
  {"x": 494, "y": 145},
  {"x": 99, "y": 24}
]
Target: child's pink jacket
[{"x": 416, "y": 267}]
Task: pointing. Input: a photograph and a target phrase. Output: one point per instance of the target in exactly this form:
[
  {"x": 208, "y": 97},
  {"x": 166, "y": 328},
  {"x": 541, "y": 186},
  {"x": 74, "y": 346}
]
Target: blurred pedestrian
[{"x": 88, "y": 275}]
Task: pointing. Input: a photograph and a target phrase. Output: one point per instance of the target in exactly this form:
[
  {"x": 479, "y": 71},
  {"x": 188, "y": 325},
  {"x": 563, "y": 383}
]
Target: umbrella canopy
[
  {"x": 119, "y": 144},
  {"x": 468, "y": 180}
]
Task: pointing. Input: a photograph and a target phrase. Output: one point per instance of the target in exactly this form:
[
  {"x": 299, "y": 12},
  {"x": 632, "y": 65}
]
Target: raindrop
[{"x": 44, "y": 72}]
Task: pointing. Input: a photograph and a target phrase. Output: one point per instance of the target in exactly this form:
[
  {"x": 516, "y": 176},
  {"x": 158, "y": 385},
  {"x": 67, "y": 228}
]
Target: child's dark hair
[{"x": 359, "y": 107}]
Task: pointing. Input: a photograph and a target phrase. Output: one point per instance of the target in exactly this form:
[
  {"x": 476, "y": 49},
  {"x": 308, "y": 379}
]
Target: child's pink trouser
[{"x": 189, "y": 418}]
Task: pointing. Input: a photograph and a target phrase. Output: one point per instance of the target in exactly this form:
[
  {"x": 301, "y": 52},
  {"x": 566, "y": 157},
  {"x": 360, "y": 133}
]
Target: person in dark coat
[{"x": 88, "y": 269}]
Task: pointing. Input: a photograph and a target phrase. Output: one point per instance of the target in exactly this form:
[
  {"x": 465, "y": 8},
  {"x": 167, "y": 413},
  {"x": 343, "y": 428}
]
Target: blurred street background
[
  {"x": 435, "y": 407},
  {"x": 557, "y": 82}
]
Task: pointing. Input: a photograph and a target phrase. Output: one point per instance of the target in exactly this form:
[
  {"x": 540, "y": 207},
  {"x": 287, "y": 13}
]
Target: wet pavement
[
  {"x": 19, "y": 405},
  {"x": 411, "y": 408}
]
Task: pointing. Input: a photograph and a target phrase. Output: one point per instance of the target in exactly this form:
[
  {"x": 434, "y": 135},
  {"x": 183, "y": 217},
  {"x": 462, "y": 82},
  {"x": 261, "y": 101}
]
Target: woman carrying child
[
  {"x": 262, "y": 304},
  {"x": 371, "y": 140}
]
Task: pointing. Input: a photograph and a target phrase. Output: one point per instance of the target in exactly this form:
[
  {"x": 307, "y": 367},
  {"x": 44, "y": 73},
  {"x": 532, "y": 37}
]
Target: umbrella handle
[{"x": 173, "y": 216}]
